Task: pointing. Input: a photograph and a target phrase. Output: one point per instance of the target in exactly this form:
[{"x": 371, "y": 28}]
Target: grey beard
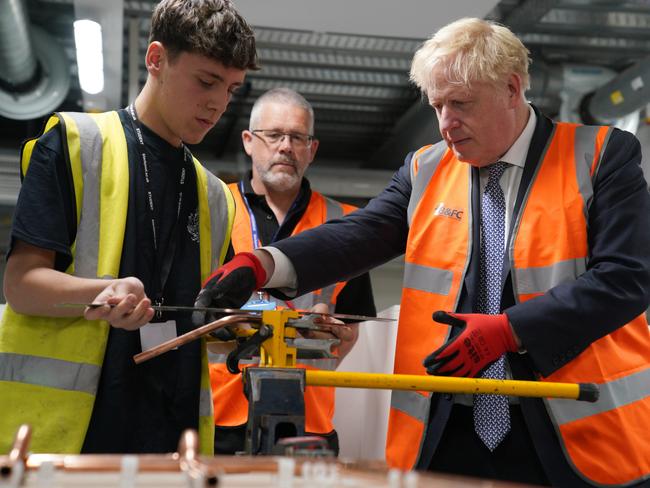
[{"x": 280, "y": 181}]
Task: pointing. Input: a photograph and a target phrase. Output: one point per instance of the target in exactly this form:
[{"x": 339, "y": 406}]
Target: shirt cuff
[{"x": 284, "y": 275}]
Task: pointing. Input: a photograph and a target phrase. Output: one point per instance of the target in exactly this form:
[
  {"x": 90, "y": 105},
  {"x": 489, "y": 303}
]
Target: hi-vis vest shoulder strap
[
  {"x": 319, "y": 210},
  {"x": 230, "y": 404},
  {"x": 437, "y": 256},
  {"x": 50, "y": 367}
]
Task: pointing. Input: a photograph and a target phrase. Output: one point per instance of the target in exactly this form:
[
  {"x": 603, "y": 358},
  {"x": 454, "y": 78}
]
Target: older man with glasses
[{"x": 275, "y": 201}]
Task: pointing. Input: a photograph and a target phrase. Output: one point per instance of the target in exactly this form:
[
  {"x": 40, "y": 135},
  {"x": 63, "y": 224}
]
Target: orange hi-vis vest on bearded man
[
  {"x": 230, "y": 403},
  {"x": 548, "y": 246}
]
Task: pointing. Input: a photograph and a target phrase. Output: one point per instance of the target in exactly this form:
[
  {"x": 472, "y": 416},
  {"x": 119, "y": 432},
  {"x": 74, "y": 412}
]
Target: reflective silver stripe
[
  {"x": 543, "y": 278},
  {"x": 87, "y": 240},
  {"x": 220, "y": 358},
  {"x": 214, "y": 358},
  {"x": 333, "y": 209},
  {"x": 205, "y": 403},
  {"x": 425, "y": 278},
  {"x": 517, "y": 223},
  {"x": 428, "y": 161},
  {"x": 411, "y": 403},
  {"x": 218, "y": 207},
  {"x": 610, "y": 130},
  {"x": 327, "y": 364},
  {"x": 584, "y": 147},
  {"x": 308, "y": 300},
  {"x": 326, "y": 295},
  {"x": 52, "y": 373},
  {"x": 303, "y": 302},
  {"x": 614, "y": 394}
]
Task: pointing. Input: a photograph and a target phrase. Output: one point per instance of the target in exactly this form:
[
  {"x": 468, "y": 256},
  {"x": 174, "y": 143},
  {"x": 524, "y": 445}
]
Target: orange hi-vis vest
[
  {"x": 604, "y": 442},
  {"x": 230, "y": 403}
]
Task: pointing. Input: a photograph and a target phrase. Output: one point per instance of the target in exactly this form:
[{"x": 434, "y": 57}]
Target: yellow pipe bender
[{"x": 275, "y": 352}]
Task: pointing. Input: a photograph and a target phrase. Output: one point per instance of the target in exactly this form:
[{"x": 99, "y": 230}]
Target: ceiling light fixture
[{"x": 90, "y": 58}]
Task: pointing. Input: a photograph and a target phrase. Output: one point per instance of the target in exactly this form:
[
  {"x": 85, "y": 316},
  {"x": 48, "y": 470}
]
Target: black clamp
[{"x": 248, "y": 347}]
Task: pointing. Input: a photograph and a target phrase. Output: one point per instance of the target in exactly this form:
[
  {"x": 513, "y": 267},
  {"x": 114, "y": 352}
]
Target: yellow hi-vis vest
[
  {"x": 230, "y": 403},
  {"x": 436, "y": 260},
  {"x": 50, "y": 367}
]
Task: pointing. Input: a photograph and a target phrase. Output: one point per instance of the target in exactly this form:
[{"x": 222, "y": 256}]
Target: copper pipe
[
  {"x": 191, "y": 336},
  {"x": 190, "y": 462},
  {"x": 152, "y": 463},
  {"x": 20, "y": 448},
  {"x": 18, "y": 453}
]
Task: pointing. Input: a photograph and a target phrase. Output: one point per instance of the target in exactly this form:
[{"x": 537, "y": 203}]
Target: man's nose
[
  {"x": 447, "y": 119},
  {"x": 219, "y": 100},
  {"x": 285, "y": 145}
]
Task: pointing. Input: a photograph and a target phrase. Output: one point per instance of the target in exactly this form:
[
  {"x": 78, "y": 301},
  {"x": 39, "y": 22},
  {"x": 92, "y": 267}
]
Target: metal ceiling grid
[
  {"x": 340, "y": 74},
  {"x": 358, "y": 84},
  {"x": 367, "y": 114}
]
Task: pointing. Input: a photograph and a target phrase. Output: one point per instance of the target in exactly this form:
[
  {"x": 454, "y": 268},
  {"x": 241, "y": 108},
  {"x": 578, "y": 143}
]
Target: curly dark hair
[{"x": 212, "y": 28}]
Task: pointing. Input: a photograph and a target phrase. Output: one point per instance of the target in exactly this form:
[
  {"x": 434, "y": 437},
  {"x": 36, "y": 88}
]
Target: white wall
[{"x": 361, "y": 416}]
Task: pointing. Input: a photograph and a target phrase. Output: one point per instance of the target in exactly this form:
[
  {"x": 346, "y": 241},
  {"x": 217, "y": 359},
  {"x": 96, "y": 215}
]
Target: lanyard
[
  {"x": 255, "y": 233},
  {"x": 162, "y": 269}
]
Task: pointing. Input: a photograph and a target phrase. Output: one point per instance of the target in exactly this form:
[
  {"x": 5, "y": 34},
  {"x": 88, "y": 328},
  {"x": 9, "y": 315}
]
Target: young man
[
  {"x": 531, "y": 238},
  {"x": 273, "y": 202},
  {"x": 114, "y": 209}
]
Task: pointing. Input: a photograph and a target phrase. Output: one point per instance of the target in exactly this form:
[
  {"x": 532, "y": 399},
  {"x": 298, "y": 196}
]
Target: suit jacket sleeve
[
  {"x": 356, "y": 297},
  {"x": 557, "y": 326},
  {"x": 344, "y": 248}
]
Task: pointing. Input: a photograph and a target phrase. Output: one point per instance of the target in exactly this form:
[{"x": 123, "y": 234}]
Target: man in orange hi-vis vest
[
  {"x": 274, "y": 201},
  {"x": 527, "y": 256}
]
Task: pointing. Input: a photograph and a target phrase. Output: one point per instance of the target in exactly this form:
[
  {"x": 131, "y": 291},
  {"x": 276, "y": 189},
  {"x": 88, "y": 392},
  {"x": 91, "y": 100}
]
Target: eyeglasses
[{"x": 273, "y": 137}]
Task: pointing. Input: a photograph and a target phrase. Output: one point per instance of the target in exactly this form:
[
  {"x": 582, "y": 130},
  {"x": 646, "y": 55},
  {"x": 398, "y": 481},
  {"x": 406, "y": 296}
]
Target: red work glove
[
  {"x": 230, "y": 286},
  {"x": 475, "y": 342}
]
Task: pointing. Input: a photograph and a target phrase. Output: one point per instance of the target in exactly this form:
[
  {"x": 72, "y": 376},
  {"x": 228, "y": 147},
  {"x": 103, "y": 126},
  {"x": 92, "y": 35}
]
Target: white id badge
[{"x": 154, "y": 334}]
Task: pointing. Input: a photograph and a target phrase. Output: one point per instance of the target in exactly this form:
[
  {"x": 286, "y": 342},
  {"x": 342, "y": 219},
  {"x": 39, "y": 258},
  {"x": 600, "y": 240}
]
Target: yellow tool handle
[{"x": 446, "y": 384}]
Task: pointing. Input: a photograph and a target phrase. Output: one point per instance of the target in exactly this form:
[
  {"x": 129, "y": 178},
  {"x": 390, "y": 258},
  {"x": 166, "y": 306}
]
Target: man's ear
[
  {"x": 155, "y": 57},
  {"x": 247, "y": 140},
  {"x": 515, "y": 87},
  {"x": 313, "y": 148}
]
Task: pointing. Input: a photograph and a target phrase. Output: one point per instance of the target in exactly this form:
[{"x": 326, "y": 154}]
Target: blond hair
[{"x": 470, "y": 50}]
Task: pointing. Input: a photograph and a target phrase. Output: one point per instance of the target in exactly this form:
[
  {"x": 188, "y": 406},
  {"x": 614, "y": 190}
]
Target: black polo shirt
[{"x": 356, "y": 297}]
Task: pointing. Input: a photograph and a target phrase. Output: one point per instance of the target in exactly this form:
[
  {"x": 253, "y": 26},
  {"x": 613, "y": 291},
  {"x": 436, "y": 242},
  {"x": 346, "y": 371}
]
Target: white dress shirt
[{"x": 516, "y": 159}]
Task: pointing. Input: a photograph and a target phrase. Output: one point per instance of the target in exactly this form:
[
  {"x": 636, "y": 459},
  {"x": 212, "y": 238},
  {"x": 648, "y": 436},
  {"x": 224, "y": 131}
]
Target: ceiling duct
[
  {"x": 34, "y": 70},
  {"x": 628, "y": 92},
  {"x": 584, "y": 94}
]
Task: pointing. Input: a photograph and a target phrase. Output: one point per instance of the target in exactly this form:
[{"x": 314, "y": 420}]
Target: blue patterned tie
[{"x": 491, "y": 414}]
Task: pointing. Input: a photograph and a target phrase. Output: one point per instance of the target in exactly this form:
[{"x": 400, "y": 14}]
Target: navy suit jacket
[{"x": 554, "y": 328}]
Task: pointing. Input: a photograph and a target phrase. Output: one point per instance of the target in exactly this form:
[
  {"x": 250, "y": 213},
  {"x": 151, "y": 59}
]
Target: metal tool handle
[{"x": 445, "y": 384}]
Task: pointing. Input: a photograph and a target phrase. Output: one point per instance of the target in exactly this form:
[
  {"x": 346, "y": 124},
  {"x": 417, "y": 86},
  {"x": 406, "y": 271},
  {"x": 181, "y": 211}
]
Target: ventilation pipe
[
  {"x": 585, "y": 92},
  {"x": 626, "y": 93},
  {"x": 34, "y": 70}
]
